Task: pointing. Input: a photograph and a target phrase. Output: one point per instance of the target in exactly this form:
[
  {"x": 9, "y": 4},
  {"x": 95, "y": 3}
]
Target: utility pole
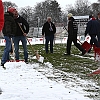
[{"x": 38, "y": 26}]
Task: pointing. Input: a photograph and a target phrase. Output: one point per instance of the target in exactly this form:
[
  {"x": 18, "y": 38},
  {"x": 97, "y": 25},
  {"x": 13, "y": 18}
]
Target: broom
[{"x": 36, "y": 53}]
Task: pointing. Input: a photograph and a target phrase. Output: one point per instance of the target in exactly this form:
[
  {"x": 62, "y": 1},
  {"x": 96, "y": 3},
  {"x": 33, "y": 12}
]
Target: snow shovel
[
  {"x": 38, "y": 57},
  {"x": 85, "y": 45},
  {"x": 97, "y": 71}
]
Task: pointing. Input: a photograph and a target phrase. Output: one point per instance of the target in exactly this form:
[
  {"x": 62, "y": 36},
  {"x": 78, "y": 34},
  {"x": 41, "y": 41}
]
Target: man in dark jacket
[
  {"x": 48, "y": 31},
  {"x": 93, "y": 30},
  {"x": 72, "y": 35},
  {"x": 9, "y": 31},
  {"x": 20, "y": 34},
  {"x": 98, "y": 35}
]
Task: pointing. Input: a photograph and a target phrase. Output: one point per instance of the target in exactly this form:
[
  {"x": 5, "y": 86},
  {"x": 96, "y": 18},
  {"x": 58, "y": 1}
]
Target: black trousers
[
  {"x": 72, "y": 38},
  {"x": 94, "y": 40}
]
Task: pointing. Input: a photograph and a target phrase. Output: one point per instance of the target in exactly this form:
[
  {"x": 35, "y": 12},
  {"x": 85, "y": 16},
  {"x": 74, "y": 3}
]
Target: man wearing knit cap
[
  {"x": 72, "y": 35},
  {"x": 9, "y": 30},
  {"x": 20, "y": 35}
]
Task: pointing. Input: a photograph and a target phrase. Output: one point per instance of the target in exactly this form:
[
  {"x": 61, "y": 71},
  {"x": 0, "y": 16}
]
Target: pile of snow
[{"x": 21, "y": 81}]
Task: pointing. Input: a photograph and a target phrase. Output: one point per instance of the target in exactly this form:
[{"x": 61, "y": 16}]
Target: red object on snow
[
  {"x": 96, "y": 53},
  {"x": 15, "y": 61},
  {"x": 86, "y": 46},
  {"x": 95, "y": 72},
  {"x": 1, "y": 15}
]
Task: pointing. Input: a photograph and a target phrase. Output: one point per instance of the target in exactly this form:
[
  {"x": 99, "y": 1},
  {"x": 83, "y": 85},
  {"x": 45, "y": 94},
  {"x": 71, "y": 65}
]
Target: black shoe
[
  {"x": 66, "y": 54},
  {"x": 26, "y": 61},
  {"x": 2, "y": 64},
  {"x": 83, "y": 52}
]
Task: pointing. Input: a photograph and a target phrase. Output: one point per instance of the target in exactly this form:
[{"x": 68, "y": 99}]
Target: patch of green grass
[
  {"x": 58, "y": 58},
  {"x": 80, "y": 67},
  {"x": 71, "y": 63}
]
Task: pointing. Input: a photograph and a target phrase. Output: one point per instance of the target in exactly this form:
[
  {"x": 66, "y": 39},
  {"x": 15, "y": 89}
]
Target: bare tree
[
  {"x": 27, "y": 13},
  {"x": 70, "y": 9},
  {"x": 95, "y": 8},
  {"x": 48, "y": 8},
  {"x": 82, "y": 7}
]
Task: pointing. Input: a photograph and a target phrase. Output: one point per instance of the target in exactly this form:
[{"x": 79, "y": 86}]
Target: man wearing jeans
[
  {"x": 48, "y": 31},
  {"x": 9, "y": 31},
  {"x": 20, "y": 35}
]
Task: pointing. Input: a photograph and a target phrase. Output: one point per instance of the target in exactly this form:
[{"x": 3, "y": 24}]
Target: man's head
[
  {"x": 91, "y": 17},
  {"x": 49, "y": 19},
  {"x": 13, "y": 11},
  {"x": 69, "y": 15},
  {"x": 99, "y": 15}
]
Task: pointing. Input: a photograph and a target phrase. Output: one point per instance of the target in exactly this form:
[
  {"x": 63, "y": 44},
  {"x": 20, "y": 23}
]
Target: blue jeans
[
  {"x": 16, "y": 40},
  {"x": 7, "y": 49},
  {"x": 49, "y": 38}
]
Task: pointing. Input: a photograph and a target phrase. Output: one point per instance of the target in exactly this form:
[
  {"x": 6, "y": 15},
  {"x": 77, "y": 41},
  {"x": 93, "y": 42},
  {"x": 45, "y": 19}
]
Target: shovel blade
[
  {"x": 86, "y": 46},
  {"x": 95, "y": 72},
  {"x": 41, "y": 59}
]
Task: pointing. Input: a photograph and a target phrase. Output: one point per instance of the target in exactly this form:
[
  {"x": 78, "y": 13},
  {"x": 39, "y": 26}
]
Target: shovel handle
[
  {"x": 37, "y": 55},
  {"x": 79, "y": 41}
]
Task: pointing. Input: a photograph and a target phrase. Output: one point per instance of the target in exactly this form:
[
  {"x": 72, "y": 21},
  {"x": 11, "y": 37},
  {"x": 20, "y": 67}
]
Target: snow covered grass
[{"x": 58, "y": 78}]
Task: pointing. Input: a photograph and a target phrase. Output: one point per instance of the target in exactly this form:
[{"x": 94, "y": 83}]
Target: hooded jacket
[
  {"x": 9, "y": 28},
  {"x": 72, "y": 26},
  {"x": 1, "y": 15}
]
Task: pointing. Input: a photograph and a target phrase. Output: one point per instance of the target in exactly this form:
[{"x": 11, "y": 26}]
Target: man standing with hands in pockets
[{"x": 48, "y": 31}]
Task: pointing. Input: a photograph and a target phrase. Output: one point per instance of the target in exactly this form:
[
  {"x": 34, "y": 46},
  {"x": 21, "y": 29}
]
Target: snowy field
[
  {"x": 36, "y": 81},
  {"x": 22, "y": 81}
]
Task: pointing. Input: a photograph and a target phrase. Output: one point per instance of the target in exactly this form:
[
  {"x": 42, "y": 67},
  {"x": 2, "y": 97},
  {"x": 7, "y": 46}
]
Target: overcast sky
[{"x": 63, "y": 3}]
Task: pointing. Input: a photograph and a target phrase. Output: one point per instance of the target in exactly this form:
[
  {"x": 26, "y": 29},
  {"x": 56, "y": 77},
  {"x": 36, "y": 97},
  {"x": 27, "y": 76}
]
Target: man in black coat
[
  {"x": 93, "y": 29},
  {"x": 72, "y": 35},
  {"x": 98, "y": 35},
  {"x": 9, "y": 30},
  {"x": 48, "y": 31}
]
